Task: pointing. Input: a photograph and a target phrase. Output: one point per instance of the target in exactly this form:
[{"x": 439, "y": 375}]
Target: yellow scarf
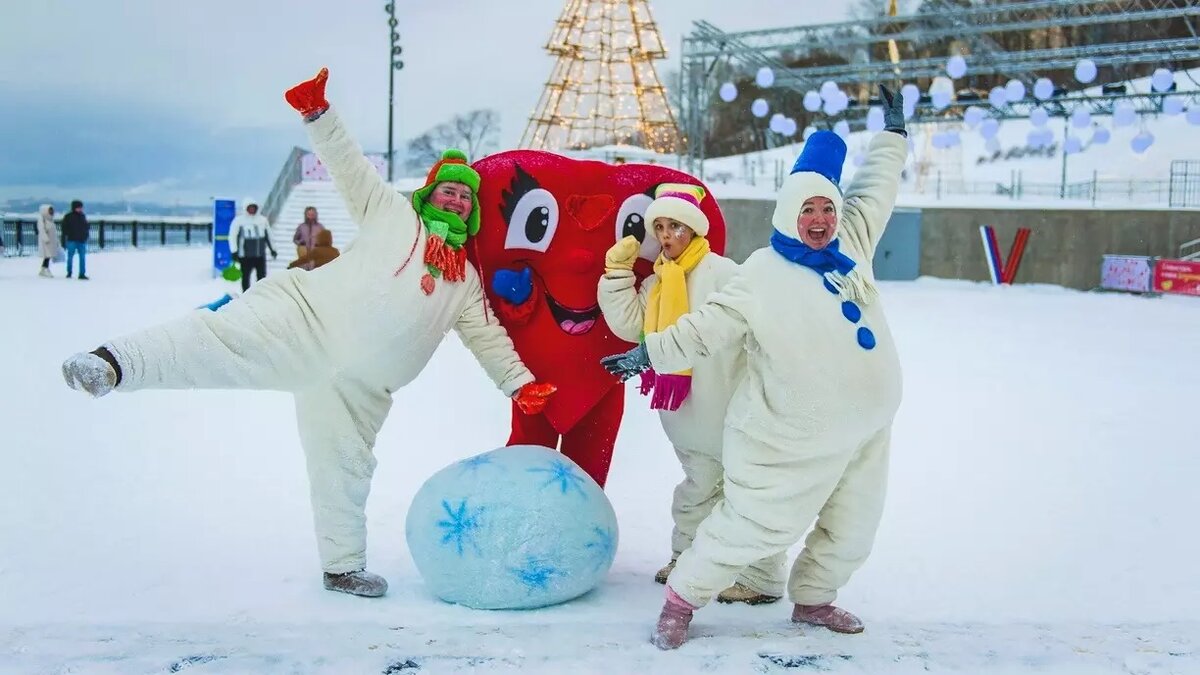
[{"x": 669, "y": 298}]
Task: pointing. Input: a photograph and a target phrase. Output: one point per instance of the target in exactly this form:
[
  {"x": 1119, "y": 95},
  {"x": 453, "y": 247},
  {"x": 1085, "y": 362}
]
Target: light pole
[{"x": 394, "y": 65}]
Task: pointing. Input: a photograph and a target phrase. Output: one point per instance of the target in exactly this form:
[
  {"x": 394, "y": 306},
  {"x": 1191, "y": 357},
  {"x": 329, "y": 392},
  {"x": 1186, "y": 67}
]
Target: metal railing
[
  {"x": 289, "y": 177},
  {"x": 112, "y": 233}
]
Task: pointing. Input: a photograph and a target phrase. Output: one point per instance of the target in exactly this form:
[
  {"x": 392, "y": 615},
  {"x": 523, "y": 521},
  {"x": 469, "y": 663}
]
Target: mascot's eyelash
[{"x": 522, "y": 184}]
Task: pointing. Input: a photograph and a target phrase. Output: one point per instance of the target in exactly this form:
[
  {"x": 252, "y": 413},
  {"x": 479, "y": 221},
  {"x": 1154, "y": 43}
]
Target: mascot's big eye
[
  {"x": 533, "y": 222},
  {"x": 631, "y": 219}
]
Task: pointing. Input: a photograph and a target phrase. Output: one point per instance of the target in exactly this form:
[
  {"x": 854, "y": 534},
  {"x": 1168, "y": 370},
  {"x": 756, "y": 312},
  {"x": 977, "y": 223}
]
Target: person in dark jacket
[{"x": 76, "y": 231}]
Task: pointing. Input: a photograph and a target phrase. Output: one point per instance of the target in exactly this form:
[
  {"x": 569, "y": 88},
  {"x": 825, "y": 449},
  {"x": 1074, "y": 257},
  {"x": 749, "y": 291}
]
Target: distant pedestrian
[
  {"x": 305, "y": 237},
  {"x": 76, "y": 231},
  {"x": 249, "y": 241},
  {"x": 47, "y": 235},
  {"x": 322, "y": 252}
]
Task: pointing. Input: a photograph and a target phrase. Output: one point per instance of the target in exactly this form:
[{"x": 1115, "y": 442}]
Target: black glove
[
  {"x": 627, "y": 364},
  {"x": 274, "y": 255},
  {"x": 893, "y": 111}
]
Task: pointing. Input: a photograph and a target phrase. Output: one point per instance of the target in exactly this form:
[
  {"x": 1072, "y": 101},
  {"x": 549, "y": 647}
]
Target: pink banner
[
  {"x": 1132, "y": 273},
  {"x": 311, "y": 168},
  {"x": 1177, "y": 276}
]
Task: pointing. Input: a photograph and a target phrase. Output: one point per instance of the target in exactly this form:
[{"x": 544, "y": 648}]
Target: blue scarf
[{"x": 828, "y": 259}]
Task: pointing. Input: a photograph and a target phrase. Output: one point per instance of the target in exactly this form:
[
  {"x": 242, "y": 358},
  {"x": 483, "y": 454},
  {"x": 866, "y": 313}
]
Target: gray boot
[{"x": 358, "y": 582}]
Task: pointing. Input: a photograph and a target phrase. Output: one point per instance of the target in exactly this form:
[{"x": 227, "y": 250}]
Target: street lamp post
[{"x": 394, "y": 65}]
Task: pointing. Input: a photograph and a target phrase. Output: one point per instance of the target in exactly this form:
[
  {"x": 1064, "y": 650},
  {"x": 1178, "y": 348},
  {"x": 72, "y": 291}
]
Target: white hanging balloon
[
  {"x": 809, "y": 131},
  {"x": 1101, "y": 136},
  {"x": 829, "y": 88},
  {"x": 812, "y": 101},
  {"x": 765, "y": 77},
  {"x": 1081, "y": 118},
  {"x": 728, "y": 92},
  {"x": 990, "y": 128},
  {"x": 1072, "y": 145},
  {"x": 1043, "y": 89},
  {"x": 956, "y": 67},
  {"x": 830, "y": 108},
  {"x": 875, "y": 119},
  {"x": 789, "y": 127},
  {"x": 1124, "y": 114},
  {"x": 993, "y": 145},
  {"x": 910, "y": 109},
  {"x": 1034, "y": 138},
  {"x": 973, "y": 116},
  {"x": 1039, "y": 117},
  {"x": 842, "y": 128},
  {"x": 939, "y": 140},
  {"x": 952, "y": 139},
  {"x": 759, "y": 107},
  {"x": 1142, "y": 142},
  {"x": 842, "y": 99},
  {"x": 1015, "y": 90},
  {"x": 1161, "y": 80},
  {"x": 941, "y": 98},
  {"x": 1172, "y": 106},
  {"x": 911, "y": 93},
  {"x": 998, "y": 97},
  {"x": 1193, "y": 115},
  {"x": 1085, "y": 71},
  {"x": 776, "y": 123}
]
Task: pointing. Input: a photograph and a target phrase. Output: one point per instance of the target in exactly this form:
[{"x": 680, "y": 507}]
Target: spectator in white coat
[
  {"x": 342, "y": 338},
  {"x": 691, "y": 404},
  {"x": 48, "y": 239},
  {"x": 250, "y": 240},
  {"x": 808, "y": 430}
]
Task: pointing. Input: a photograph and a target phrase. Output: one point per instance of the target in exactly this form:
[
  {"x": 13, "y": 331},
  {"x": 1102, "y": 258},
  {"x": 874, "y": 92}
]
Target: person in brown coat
[{"x": 320, "y": 254}]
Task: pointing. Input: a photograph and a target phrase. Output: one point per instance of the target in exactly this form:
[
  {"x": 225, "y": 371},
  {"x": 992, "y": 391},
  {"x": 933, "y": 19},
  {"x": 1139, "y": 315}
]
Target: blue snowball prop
[{"x": 514, "y": 528}]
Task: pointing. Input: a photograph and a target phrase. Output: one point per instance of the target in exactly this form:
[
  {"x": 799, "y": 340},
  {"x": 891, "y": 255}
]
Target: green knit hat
[{"x": 453, "y": 168}]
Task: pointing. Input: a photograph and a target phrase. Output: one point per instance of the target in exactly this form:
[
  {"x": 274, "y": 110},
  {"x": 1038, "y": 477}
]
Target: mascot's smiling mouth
[{"x": 573, "y": 321}]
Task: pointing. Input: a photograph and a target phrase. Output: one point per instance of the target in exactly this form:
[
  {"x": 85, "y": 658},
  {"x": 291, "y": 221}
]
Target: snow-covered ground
[{"x": 1041, "y": 515}]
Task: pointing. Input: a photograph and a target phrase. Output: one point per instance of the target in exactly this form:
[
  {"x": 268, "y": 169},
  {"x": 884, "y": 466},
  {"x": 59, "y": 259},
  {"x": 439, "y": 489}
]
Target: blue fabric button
[
  {"x": 866, "y": 339},
  {"x": 851, "y": 311}
]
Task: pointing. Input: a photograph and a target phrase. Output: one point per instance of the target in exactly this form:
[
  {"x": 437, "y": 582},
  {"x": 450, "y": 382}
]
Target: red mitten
[
  {"x": 531, "y": 398},
  {"x": 309, "y": 97}
]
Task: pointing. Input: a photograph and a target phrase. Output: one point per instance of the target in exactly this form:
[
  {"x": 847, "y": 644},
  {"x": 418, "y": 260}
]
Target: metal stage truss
[{"x": 711, "y": 56}]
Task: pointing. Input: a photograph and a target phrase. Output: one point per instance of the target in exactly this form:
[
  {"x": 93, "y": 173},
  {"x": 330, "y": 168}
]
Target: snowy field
[{"x": 1041, "y": 516}]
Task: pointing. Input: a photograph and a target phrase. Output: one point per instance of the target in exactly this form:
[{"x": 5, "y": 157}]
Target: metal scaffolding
[{"x": 711, "y": 56}]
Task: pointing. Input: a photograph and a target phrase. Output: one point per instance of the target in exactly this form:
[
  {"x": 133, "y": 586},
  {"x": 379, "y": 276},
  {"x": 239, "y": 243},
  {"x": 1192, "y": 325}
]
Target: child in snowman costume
[
  {"x": 691, "y": 403},
  {"x": 808, "y": 429},
  {"x": 341, "y": 338}
]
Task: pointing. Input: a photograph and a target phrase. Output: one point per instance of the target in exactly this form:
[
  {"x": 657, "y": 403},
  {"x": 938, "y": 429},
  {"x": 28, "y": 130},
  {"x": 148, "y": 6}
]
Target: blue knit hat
[{"x": 816, "y": 173}]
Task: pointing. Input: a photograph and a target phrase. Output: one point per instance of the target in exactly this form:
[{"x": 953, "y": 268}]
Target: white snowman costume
[
  {"x": 807, "y": 432},
  {"x": 341, "y": 338},
  {"x": 695, "y": 428}
]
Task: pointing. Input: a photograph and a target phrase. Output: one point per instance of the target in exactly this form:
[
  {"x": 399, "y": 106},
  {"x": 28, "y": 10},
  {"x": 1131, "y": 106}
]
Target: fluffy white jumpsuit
[
  {"x": 342, "y": 338},
  {"x": 696, "y": 428},
  {"x": 807, "y": 432}
]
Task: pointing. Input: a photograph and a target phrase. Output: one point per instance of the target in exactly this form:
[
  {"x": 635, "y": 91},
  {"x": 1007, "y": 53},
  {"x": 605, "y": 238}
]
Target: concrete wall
[{"x": 1065, "y": 246}]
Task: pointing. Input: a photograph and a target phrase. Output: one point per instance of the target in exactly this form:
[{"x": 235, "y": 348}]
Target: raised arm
[
  {"x": 623, "y": 306},
  {"x": 366, "y": 194},
  {"x": 871, "y": 195}
]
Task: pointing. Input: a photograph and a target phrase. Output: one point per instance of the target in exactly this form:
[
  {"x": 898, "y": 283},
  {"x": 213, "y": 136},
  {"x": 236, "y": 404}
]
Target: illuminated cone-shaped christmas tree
[{"x": 603, "y": 89}]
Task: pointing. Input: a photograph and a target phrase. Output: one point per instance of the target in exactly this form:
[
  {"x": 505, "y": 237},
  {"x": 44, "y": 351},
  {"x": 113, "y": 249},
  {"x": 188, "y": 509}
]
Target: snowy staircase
[{"x": 330, "y": 211}]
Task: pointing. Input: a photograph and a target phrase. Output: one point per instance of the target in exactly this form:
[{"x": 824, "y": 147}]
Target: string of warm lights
[{"x": 603, "y": 88}]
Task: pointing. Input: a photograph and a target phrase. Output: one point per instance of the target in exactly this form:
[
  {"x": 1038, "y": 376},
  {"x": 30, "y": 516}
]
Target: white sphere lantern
[
  {"x": 1123, "y": 114},
  {"x": 759, "y": 107},
  {"x": 1015, "y": 91},
  {"x": 1172, "y": 106},
  {"x": 728, "y": 92},
  {"x": 765, "y": 77},
  {"x": 1085, "y": 71},
  {"x": 956, "y": 66},
  {"x": 1072, "y": 145},
  {"x": 1161, "y": 81},
  {"x": 973, "y": 116},
  {"x": 1081, "y": 118},
  {"x": 1039, "y": 117},
  {"x": 1043, "y": 89},
  {"x": 875, "y": 121},
  {"x": 998, "y": 97},
  {"x": 1101, "y": 136},
  {"x": 842, "y": 128},
  {"x": 812, "y": 101}
]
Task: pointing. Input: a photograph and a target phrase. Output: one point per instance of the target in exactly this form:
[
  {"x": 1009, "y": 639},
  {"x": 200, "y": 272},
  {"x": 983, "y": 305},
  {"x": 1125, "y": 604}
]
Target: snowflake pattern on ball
[
  {"x": 560, "y": 472},
  {"x": 601, "y": 547},
  {"x": 535, "y": 574},
  {"x": 473, "y": 464},
  {"x": 461, "y": 525}
]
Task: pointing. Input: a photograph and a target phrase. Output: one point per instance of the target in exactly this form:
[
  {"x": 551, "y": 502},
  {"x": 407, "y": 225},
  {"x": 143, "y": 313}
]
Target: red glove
[
  {"x": 531, "y": 398},
  {"x": 309, "y": 97}
]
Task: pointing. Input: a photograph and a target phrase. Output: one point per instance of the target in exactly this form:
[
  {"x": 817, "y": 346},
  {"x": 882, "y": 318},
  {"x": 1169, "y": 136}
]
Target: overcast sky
[{"x": 183, "y": 99}]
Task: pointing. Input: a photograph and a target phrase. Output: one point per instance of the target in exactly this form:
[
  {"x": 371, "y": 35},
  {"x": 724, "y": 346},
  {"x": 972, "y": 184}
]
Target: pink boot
[
  {"x": 671, "y": 631},
  {"x": 834, "y": 618}
]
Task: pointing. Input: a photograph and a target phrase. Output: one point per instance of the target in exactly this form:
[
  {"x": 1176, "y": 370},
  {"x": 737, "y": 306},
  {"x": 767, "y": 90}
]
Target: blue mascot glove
[
  {"x": 515, "y": 287},
  {"x": 627, "y": 364}
]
